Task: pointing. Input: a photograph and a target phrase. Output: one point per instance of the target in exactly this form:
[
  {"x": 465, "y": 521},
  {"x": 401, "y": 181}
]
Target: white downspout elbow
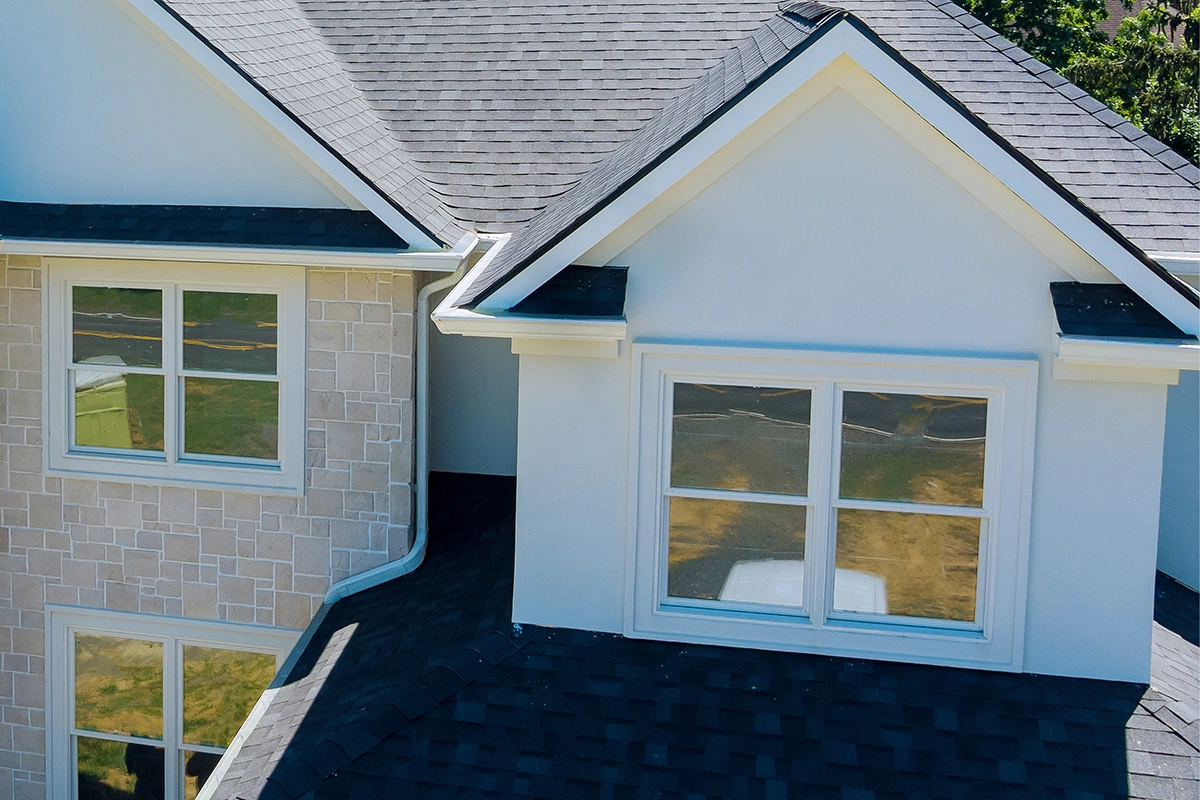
[{"x": 409, "y": 562}]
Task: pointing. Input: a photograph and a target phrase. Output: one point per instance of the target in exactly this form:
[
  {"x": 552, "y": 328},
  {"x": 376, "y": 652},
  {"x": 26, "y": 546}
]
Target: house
[{"x": 830, "y": 347}]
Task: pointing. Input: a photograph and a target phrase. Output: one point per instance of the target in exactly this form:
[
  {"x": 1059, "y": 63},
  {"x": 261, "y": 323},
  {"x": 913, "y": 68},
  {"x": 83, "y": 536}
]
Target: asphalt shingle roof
[
  {"x": 481, "y": 115},
  {"x": 1143, "y": 190},
  {"x": 421, "y": 687},
  {"x": 331, "y": 228}
]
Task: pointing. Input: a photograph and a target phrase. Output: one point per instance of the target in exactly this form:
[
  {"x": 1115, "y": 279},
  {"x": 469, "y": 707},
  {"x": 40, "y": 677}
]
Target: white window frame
[
  {"x": 282, "y": 476},
  {"x": 64, "y": 622},
  {"x": 994, "y": 641}
]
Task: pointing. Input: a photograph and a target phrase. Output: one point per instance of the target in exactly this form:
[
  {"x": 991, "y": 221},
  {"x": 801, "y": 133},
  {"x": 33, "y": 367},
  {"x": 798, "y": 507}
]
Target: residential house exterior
[{"x": 683, "y": 273}]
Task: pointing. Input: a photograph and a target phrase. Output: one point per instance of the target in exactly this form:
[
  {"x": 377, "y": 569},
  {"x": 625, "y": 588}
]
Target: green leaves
[{"x": 1149, "y": 73}]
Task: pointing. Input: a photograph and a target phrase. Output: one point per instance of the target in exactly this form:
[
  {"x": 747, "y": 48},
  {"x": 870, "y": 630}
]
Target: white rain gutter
[
  {"x": 408, "y": 563},
  {"x": 425, "y": 261},
  {"x": 1095, "y": 351}
]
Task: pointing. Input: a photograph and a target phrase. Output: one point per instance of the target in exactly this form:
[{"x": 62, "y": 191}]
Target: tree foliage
[{"x": 1149, "y": 72}]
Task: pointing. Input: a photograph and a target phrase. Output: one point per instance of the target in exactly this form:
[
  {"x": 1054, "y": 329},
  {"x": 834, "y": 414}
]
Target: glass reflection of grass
[
  {"x": 740, "y": 452},
  {"x": 102, "y": 772},
  {"x": 225, "y": 417},
  {"x": 118, "y": 685},
  {"x": 220, "y": 688},
  {"x": 707, "y": 537},
  {"x": 929, "y": 562},
  {"x": 879, "y": 468},
  {"x": 238, "y": 306}
]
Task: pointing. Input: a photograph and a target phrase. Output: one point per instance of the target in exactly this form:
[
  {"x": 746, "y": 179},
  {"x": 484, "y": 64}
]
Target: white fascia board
[
  {"x": 1178, "y": 263},
  {"x": 1127, "y": 353},
  {"x": 302, "y": 145},
  {"x": 844, "y": 38},
  {"x": 427, "y": 261},
  {"x": 505, "y": 326},
  {"x": 501, "y": 325}
]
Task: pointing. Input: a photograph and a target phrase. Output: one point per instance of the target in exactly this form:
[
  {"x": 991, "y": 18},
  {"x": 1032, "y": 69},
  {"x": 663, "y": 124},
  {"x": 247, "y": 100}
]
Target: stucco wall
[
  {"x": 838, "y": 234},
  {"x": 97, "y": 111},
  {"x": 472, "y": 404},
  {"x": 1179, "y": 525},
  {"x": 216, "y": 555}
]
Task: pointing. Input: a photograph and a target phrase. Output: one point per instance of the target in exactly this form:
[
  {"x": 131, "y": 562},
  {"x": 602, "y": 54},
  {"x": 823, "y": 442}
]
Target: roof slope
[
  {"x": 420, "y": 688},
  {"x": 334, "y": 228},
  {"x": 1148, "y": 193},
  {"x": 478, "y": 114}
]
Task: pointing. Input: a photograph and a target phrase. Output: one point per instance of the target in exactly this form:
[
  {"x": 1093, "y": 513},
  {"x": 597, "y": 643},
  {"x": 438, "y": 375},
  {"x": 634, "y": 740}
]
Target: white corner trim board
[
  {"x": 1128, "y": 353},
  {"x": 312, "y": 154},
  {"x": 845, "y": 39},
  {"x": 423, "y": 261}
]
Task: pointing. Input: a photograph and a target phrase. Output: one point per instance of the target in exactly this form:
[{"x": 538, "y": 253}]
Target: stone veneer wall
[{"x": 218, "y": 555}]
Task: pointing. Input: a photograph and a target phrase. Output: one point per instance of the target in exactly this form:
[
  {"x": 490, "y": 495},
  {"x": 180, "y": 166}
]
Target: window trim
[
  {"x": 62, "y": 459},
  {"x": 63, "y": 622},
  {"x": 1010, "y": 384}
]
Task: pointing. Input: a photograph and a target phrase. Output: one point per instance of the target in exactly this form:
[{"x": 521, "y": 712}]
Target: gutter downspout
[{"x": 409, "y": 562}]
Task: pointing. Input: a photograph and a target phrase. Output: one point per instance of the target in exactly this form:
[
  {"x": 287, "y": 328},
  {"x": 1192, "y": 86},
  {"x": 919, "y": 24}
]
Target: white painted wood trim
[
  {"x": 312, "y": 154},
  {"x": 1178, "y": 263},
  {"x": 506, "y": 326},
  {"x": 845, "y": 39},
  {"x": 421, "y": 261},
  {"x": 1128, "y": 353}
]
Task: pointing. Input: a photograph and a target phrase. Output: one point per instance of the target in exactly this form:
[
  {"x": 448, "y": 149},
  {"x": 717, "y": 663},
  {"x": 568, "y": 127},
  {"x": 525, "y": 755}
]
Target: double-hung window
[
  {"x": 188, "y": 374},
  {"x": 852, "y": 504},
  {"x": 144, "y": 706}
]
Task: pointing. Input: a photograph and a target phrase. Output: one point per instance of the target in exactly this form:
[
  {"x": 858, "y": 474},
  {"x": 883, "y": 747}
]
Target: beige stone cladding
[{"x": 210, "y": 554}]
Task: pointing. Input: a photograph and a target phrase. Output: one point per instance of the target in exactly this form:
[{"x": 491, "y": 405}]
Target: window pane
[
  {"x": 741, "y": 438},
  {"x": 230, "y": 331},
  {"x": 913, "y": 565},
  {"x": 913, "y": 448},
  {"x": 116, "y": 770},
  {"x": 220, "y": 688},
  {"x": 117, "y": 326},
  {"x": 118, "y": 409},
  {"x": 231, "y": 417},
  {"x": 197, "y": 767},
  {"x": 119, "y": 685},
  {"x": 730, "y": 550}
]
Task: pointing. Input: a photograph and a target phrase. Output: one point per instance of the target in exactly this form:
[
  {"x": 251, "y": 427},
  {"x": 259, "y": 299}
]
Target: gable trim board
[
  {"x": 297, "y": 138},
  {"x": 846, "y": 35}
]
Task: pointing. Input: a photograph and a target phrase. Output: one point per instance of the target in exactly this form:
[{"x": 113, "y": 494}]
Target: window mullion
[
  {"x": 172, "y": 362},
  {"x": 822, "y": 477},
  {"x": 172, "y": 717}
]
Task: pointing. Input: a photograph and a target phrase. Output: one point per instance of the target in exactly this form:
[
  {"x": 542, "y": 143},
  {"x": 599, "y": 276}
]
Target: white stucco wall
[
  {"x": 96, "y": 111},
  {"x": 838, "y": 234},
  {"x": 472, "y": 404},
  {"x": 1179, "y": 525}
]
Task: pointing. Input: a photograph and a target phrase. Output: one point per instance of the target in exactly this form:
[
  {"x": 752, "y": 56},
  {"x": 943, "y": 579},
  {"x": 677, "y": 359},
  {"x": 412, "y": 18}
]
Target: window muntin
[
  {"x": 189, "y": 375},
  {"x": 970, "y": 612},
  {"x": 145, "y": 705}
]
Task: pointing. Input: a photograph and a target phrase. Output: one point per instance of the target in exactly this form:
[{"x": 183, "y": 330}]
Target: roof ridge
[{"x": 1095, "y": 108}]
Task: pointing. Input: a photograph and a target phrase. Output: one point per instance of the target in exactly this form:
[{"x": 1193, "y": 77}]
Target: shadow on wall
[{"x": 411, "y": 687}]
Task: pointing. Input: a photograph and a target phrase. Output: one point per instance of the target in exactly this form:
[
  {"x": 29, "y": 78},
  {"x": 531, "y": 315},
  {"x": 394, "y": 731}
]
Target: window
[
  {"x": 143, "y": 706},
  {"x": 189, "y": 375},
  {"x": 865, "y": 505}
]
